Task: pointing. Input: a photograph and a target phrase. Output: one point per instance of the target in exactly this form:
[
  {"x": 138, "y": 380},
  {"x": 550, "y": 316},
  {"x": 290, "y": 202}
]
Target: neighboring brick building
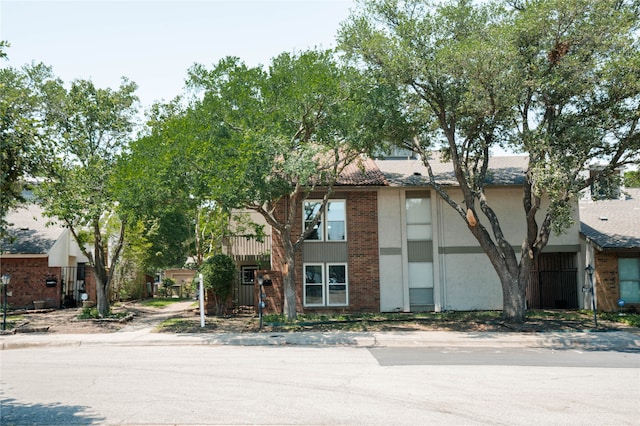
[
  {"x": 44, "y": 262},
  {"x": 610, "y": 230}
]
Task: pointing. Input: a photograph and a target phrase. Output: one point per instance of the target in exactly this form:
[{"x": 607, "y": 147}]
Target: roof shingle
[
  {"x": 30, "y": 232},
  {"x": 506, "y": 170},
  {"x": 612, "y": 224}
]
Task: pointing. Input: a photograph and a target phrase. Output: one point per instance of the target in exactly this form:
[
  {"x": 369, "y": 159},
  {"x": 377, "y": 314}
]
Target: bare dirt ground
[
  {"x": 66, "y": 321},
  {"x": 183, "y": 317}
]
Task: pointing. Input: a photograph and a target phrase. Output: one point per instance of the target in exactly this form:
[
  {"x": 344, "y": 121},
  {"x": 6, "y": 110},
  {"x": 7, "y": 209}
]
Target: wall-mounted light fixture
[{"x": 6, "y": 279}]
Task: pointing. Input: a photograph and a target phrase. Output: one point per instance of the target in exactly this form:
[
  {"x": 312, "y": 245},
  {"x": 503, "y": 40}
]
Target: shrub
[{"x": 219, "y": 273}]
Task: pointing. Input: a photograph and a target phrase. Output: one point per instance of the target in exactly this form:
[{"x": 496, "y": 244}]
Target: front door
[
  {"x": 554, "y": 282},
  {"x": 245, "y": 289}
]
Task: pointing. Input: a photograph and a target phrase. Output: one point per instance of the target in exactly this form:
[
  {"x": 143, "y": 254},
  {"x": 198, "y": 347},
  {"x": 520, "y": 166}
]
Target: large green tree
[
  {"x": 556, "y": 79},
  {"x": 23, "y": 133},
  {"x": 90, "y": 128},
  {"x": 161, "y": 186},
  {"x": 273, "y": 136}
]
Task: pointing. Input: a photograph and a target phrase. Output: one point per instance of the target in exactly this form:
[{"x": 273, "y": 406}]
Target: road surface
[{"x": 206, "y": 385}]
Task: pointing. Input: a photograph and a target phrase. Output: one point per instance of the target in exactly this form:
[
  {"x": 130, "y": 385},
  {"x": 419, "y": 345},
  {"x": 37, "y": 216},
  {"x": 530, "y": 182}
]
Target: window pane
[
  {"x": 337, "y": 285},
  {"x": 630, "y": 291},
  {"x": 418, "y": 210},
  {"x": 310, "y": 210},
  {"x": 337, "y": 274},
  {"x": 336, "y": 220},
  {"x": 248, "y": 276},
  {"x": 419, "y": 232},
  {"x": 335, "y": 231},
  {"x": 337, "y": 294},
  {"x": 629, "y": 273},
  {"x": 335, "y": 210},
  {"x": 629, "y": 268},
  {"x": 313, "y": 294},
  {"x": 313, "y": 274},
  {"x": 420, "y": 275}
]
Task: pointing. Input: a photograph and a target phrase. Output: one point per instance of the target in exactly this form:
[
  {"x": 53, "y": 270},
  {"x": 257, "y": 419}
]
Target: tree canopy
[
  {"x": 252, "y": 137},
  {"x": 23, "y": 133},
  {"x": 557, "y": 80},
  {"x": 89, "y": 129}
]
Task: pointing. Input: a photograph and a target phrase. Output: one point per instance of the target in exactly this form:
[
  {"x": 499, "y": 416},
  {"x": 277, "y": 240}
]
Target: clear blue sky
[{"x": 154, "y": 42}]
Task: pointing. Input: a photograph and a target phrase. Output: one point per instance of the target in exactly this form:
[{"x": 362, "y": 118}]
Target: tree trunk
[
  {"x": 100, "y": 273},
  {"x": 514, "y": 293},
  {"x": 102, "y": 294},
  {"x": 289, "y": 281},
  {"x": 513, "y": 302}
]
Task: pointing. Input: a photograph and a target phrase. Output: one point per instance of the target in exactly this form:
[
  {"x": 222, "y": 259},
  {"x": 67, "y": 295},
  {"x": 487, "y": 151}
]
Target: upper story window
[
  {"x": 419, "y": 219},
  {"x": 333, "y": 223}
]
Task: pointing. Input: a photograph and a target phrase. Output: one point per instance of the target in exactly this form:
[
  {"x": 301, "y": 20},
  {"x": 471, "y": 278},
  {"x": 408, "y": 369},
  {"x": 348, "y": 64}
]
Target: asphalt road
[
  {"x": 532, "y": 357},
  {"x": 206, "y": 385}
]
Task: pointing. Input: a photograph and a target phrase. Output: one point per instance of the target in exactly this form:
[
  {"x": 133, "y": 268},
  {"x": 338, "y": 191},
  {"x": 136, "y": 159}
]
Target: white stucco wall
[
  {"x": 470, "y": 283},
  {"x": 507, "y": 203},
  {"x": 464, "y": 277},
  {"x": 390, "y": 207},
  {"x": 65, "y": 251},
  {"x": 394, "y": 292}
]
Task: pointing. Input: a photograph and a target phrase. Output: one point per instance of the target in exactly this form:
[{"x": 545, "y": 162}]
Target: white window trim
[
  {"x": 325, "y": 222},
  {"x": 346, "y": 283},
  {"x": 325, "y": 284},
  {"x": 304, "y": 285}
]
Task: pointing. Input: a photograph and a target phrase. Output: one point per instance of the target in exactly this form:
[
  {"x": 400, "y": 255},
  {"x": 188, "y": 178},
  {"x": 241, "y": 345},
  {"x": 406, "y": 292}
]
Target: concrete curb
[{"x": 603, "y": 341}]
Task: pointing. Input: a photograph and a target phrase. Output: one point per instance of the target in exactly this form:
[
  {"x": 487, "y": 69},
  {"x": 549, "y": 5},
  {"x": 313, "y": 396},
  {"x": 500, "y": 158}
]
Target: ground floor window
[
  {"x": 325, "y": 284},
  {"x": 629, "y": 273}
]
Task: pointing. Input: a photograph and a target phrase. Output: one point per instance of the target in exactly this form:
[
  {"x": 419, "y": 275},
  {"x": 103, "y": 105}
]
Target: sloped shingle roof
[
  {"x": 28, "y": 231},
  {"x": 612, "y": 224},
  {"x": 506, "y": 170},
  {"x": 362, "y": 172}
]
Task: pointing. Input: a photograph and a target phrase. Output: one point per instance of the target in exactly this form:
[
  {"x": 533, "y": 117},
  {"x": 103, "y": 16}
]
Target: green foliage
[
  {"x": 161, "y": 302},
  {"x": 629, "y": 318},
  {"x": 89, "y": 313},
  {"x": 293, "y": 118},
  {"x": 632, "y": 179},
  {"x": 165, "y": 289},
  {"x": 219, "y": 274},
  {"x": 3, "y": 45},
  {"x": 131, "y": 290},
  {"x": 93, "y": 313},
  {"x": 89, "y": 128},
  {"x": 23, "y": 133},
  {"x": 261, "y": 136},
  {"x": 557, "y": 80}
]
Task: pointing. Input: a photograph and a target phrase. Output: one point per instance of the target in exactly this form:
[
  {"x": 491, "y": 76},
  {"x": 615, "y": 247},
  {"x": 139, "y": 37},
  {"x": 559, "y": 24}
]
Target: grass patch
[
  {"x": 628, "y": 318},
  {"x": 161, "y": 302},
  {"x": 183, "y": 325},
  {"x": 537, "y": 321},
  {"x": 92, "y": 313},
  {"x": 13, "y": 321},
  {"x": 459, "y": 316},
  {"x": 449, "y": 320}
]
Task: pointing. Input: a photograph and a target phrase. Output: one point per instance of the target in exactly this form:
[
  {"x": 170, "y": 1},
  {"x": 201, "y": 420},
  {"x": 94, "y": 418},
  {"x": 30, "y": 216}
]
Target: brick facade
[
  {"x": 607, "y": 281},
  {"x": 28, "y": 282},
  {"x": 29, "y": 276},
  {"x": 362, "y": 251},
  {"x": 273, "y": 294}
]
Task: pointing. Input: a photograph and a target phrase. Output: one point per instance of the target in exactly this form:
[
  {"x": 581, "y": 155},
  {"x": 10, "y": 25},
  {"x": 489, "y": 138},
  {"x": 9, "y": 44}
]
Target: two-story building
[{"x": 388, "y": 243}]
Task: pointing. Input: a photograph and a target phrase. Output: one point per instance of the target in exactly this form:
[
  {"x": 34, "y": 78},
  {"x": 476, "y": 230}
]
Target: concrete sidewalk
[{"x": 622, "y": 341}]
